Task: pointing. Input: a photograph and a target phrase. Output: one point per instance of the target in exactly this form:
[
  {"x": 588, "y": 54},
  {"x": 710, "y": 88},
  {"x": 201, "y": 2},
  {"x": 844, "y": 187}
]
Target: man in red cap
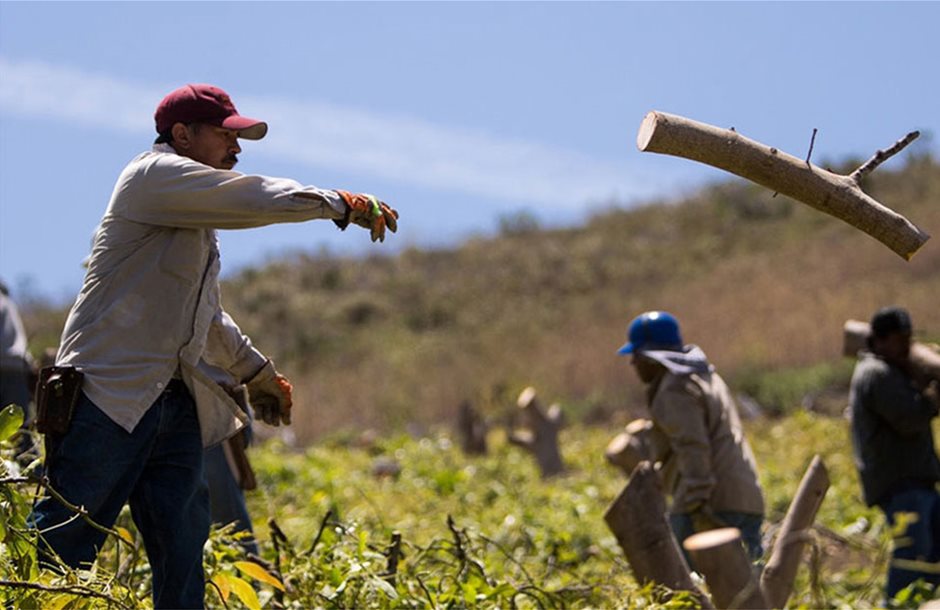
[{"x": 135, "y": 404}]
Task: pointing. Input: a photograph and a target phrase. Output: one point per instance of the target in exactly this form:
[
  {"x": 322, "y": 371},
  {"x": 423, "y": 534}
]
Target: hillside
[{"x": 763, "y": 284}]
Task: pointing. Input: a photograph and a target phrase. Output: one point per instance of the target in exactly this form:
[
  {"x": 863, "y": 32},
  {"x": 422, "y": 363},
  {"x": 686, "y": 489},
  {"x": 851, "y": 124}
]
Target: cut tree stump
[
  {"x": 471, "y": 429},
  {"x": 837, "y": 195},
  {"x": 925, "y": 358},
  {"x": 539, "y": 433},
  {"x": 637, "y": 517},
  {"x": 721, "y": 558},
  {"x": 776, "y": 581},
  {"x": 631, "y": 446}
]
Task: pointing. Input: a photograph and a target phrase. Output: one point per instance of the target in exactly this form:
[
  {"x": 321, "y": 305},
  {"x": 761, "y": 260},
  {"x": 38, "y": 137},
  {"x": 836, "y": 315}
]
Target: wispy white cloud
[{"x": 407, "y": 150}]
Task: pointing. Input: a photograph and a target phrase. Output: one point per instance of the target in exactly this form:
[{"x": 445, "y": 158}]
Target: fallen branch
[
  {"x": 77, "y": 590},
  {"x": 16, "y": 480},
  {"x": 80, "y": 512},
  {"x": 835, "y": 194},
  {"x": 323, "y": 524},
  {"x": 776, "y": 581}
]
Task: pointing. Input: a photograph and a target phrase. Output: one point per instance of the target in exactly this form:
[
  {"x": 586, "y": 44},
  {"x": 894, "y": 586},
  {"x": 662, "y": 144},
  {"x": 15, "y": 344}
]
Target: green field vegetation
[
  {"x": 475, "y": 532},
  {"x": 391, "y": 343}
]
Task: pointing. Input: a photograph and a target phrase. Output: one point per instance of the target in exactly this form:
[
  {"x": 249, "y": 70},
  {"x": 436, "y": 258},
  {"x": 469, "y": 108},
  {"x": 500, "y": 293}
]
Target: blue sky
[{"x": 455, "y": 113}]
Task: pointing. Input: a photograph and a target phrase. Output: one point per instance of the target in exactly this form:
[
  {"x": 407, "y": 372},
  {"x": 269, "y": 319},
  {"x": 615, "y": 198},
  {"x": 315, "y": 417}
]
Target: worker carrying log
[
  {"x": 706, "y": 463},
  {"x": 891, "y": 404}
]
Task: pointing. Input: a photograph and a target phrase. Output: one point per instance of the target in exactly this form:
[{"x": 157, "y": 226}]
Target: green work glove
[{"x": 369, "y": 212}]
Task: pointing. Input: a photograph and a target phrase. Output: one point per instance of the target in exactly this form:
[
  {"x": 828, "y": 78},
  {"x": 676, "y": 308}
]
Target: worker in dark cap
[{"x": 891, "y": 408}]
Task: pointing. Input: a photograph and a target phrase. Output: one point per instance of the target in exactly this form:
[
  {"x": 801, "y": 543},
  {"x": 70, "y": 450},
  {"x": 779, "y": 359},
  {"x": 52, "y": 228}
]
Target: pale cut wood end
[
  {"x": 647, "y": 128},
  {"x": 712, "y": 538}
]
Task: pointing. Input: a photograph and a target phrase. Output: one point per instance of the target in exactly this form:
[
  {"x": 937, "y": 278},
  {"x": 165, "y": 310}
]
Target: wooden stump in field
[
  {"x": 631, "y": 446},
  {"x": 539, "y": 433},
  {"x": 721, "y": 558},
  {"x": 471, "y": 430},
  {"x": 637, "y": 517},
  {"x": 776, "y": 581}
]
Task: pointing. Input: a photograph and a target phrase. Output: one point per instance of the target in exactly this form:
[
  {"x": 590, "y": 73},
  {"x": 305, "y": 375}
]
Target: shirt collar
[{"x": 163, "y": 147}]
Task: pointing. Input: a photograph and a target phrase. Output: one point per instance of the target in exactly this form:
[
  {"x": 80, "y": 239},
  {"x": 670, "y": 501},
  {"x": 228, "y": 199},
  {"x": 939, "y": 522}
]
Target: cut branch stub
[
  {"x": 776, "y": 581},
  {"x": 720, "y": 556},
  {"x": 837, "y": 195},
  {"x": 539, "y": 434},
  {"x": 637, "y": 518},
  {"x": 631, "y": 446}
]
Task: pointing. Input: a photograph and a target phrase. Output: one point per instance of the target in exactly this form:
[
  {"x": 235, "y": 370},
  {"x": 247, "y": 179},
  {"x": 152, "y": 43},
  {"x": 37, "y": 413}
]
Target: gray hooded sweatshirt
[{"x": 697, "y": 432}]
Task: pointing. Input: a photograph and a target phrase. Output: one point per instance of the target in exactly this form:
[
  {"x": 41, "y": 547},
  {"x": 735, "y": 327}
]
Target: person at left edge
[{"x": 149, "y": 318}]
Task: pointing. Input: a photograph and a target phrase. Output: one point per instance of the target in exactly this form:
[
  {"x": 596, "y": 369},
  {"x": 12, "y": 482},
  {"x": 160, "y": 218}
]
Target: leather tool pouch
[{"x": 56, "y": 396}]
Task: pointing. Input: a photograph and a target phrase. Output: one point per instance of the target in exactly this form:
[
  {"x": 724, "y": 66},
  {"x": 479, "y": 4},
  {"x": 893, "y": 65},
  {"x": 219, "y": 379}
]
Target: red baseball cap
[{"x": 205, "y": 104}]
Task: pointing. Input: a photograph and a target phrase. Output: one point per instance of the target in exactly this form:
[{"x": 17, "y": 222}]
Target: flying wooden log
[
  {"x": 637, "y": 517},
  {"x": 924, "y": 357},
  {"x": 539, "y": 435},
  {"x": 835, "y": 194},
  {"x": 776, "y": 581},
  {"x": 720, "y": 556}
]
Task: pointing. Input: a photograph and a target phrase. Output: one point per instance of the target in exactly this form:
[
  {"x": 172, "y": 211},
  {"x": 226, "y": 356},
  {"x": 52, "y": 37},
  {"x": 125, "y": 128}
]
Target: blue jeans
[
  {"x": 749, "y": 525},
  {"x": 157, "y": 468},
  {"x": 226, "y": 499},
  {"x": 921, "y": 539}
]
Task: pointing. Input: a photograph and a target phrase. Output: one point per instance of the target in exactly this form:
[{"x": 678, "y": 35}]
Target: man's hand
[
  {"x": 703, "y": 519},
  {"x": 269, "y": 393},
  {"x": 368, "y": 212},
  {"x": 932, "y": 393}
]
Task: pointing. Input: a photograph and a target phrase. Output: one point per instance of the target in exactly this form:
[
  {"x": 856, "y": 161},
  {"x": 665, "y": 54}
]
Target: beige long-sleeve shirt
[
  {"x": 704, "y": 454},
  {"x": 150, "y": 306}
]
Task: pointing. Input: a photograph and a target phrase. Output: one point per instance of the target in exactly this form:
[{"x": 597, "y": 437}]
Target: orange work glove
[
  {"x": 269, "y": 393},
  {"x": 367, "y": 211}
]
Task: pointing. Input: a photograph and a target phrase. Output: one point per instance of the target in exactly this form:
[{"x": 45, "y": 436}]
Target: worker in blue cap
[{"x": 706, "y": 463}]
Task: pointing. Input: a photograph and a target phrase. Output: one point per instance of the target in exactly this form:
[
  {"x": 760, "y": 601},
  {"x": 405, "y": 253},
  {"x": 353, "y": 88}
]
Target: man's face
[
  {"x": 894, "y": 347},
  {"x": 215, "y": 146},
  {"x": 646, "y": 369}
]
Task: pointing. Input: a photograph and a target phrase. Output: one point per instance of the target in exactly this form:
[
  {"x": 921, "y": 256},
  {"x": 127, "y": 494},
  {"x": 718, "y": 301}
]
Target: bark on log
[
  {"x": 630, "y": 447},
  {"x": 776, "y": 581},
  {"x": 835, "y": 194},
  {"x": 637, "y": 517},
  {"x": 721, "y": 558},
  {"x": 539, "y": 434},
  {"x": 471, "y": 429},
  {"x": 925, "y": 358}
]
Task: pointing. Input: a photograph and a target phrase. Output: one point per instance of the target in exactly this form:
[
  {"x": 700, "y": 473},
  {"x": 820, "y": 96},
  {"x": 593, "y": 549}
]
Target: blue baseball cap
[{"x": 653, "y": 330}]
